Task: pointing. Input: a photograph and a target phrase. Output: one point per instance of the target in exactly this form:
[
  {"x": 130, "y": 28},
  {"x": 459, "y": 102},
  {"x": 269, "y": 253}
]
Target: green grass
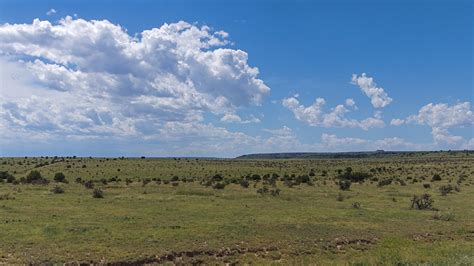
[{"x": 304, "y": 225}]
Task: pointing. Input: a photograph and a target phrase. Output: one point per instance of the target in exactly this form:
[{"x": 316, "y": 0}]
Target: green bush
[
  {"x": 436, "y": 177},
  {"x": 5, "y": 175},
  {"x": 34, "y": 177},
  {"x": 59, "y": 177}
]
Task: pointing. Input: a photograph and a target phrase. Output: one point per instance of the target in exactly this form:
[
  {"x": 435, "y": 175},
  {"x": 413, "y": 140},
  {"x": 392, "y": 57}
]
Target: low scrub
[
  {"x": 5, "y": 175},
  {"x": 57, "y": 190},
  {"x": 218, "y": 185},
  {"x": 97, "y": 193},
  {"x": 385, "y": 182},
  {"x": 35, "y": 177},
  {"x": 6, "y": 196},
  {"x": 89, "y": 184},
  {"x": 423, "y": 202},
  {"x": 345, "y": 184},
  {"x": 447, "y": 216}
]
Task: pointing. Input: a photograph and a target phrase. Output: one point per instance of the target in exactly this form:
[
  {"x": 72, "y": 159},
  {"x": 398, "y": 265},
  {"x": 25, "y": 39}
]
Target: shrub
[
  {"x": 34, "y": 177},
  {"x": 89, "y": 184},
  {"x": 217, "y": 178},
  {"x": 423, "y": 202},
  {"x": 436, "y": 177},
  {"x": 175, "y": 178},
  {"x": 449, "y": 216},
  {"x": 97, "y": 193},
  {"x": 244, "y": 183},
  {"x": 356, "y": 205},
  {"x": 174, "y": 184},
  {"x": 427, "y": 185},
  {"x": 385, "y": 182},
  {"x": 445, "y": 189},
  {"x": 128, "y": 181},
  {"x": 9, "y": 178},
  {"x": 218, "y": 185},
  {"x": 345, "y": 184},
  {"x": 256, "y": 177},
  {"x": 79, "y": 180},
  {"x": 354, "y": 176},
  {"x": 145, "y": 181},
  {"x": 59, "y": 177},
  {"x": 303, "y": 179},
  {"x": 275, "y": 192},
  {"x": 57, "y": 190},
  {"x": 402, "y": 182},
  {"x": 263, "y": 190}
]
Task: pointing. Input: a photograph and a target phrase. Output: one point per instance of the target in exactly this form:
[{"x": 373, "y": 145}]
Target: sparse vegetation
[
  {"x": 345, "y": 184},
  {"x": 97, "y": 193},
  {"x": 281, "y": 207},
  {"x": 57, "y": 190},
  {"x": 423, "y": 202}
]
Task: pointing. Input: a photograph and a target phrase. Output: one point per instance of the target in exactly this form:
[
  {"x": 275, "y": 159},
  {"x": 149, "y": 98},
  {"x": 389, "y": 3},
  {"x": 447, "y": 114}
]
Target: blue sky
[{"x": 206, "y": 99}]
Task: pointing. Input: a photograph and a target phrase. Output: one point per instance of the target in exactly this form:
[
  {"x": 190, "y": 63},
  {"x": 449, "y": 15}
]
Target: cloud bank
[{"x": 92, "y": 78}]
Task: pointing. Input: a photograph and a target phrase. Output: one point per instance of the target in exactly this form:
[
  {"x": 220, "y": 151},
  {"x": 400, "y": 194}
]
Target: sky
[{"x": 225, "y": 78}]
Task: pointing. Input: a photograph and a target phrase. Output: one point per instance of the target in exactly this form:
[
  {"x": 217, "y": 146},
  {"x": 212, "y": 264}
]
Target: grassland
[{"x": 171, "y": 211}]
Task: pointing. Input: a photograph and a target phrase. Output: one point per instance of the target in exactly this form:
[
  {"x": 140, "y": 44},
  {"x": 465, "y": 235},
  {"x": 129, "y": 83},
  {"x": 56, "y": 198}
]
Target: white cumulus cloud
[
  {"x": 315, "y": 115},
  {"x": 397, "y": 122},
  {"x": 378, "y": 97},
  {"x": 92, "y": 78},
  {"x": 441, "y": 117},
  {"x": 234, "y": 118}
]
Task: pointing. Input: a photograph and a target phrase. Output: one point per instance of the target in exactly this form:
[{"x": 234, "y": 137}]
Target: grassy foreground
[{"x": 151, "y": 220}]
